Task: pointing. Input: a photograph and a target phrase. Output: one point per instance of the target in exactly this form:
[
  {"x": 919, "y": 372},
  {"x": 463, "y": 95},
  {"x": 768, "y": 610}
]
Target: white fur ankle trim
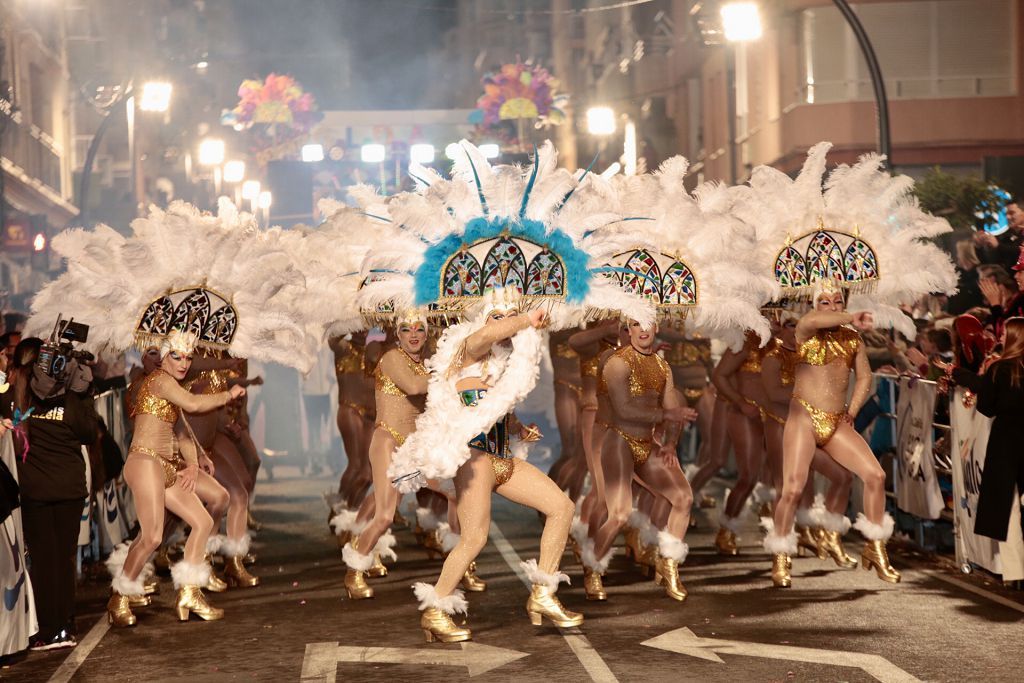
[
  {"x": 539, "y": 577},
  {"x": 649, "y": 534},
  {"x": 672, "y": 548},
  {"x": 186, "y": 574},
  {"x": 731, "y": 523},
  {"x": 214, "y": 544},
  {"x": 334, "y": 501},
  {"x": 451, "y": 604},
  {"x": 774, "y": 543},
  {"x": 830, "y": 521},
  {"x": 125, "y": 586},
  {"x": 592, "y": 562},
  {"x": 872, "y": 531},
  {"x": 385, "y": 547},
  {"x": 346, "y": 521},
  {"x": 638, "y": 520},
  {"x": 116, "y": 559},
  {"x": 763, "y": 493},
  {"x": 579, "y": 530},
  {"x": 353, "y": 559},
  {"x": 235, "y": 547},
  {"x": 806, "y": 517},
  {"x": 426, "y": 518},
  {"x": 449, "y": 539}
]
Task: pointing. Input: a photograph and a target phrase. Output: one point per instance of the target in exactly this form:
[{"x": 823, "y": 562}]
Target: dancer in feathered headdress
[
  {"x": 182, "y": 280},
  {"x": 695, "y": 274},
  {"x": 509, "y": 250},
  {"x": 863, "y": 233}
]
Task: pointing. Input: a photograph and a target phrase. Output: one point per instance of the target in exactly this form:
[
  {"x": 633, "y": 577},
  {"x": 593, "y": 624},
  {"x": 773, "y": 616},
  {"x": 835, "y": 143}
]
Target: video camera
[{"x": 60, "y": 365}]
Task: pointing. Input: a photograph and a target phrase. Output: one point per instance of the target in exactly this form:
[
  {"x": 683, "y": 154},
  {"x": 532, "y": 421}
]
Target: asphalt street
[{"x": 833, "y": 625}]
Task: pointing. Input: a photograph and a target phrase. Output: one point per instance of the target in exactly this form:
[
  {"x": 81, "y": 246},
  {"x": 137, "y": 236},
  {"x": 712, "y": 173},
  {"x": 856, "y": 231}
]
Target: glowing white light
[
  {"x": 741, "y": 21},
  {"x": 264, "y": 200},
  {"x": 373, "y": 153},
  {"x": 234, "y": 171},
  {"x": 39, "y": 243},
  {"x": 156, "y": 96},
  {"x": 211, "y": 152},
  {"x": 422, "y": 153},
  {"x": 600, "y": 121},
  {"x": 489, "y": 150},
  {"x": 313, "y": 152},
  {"x": 250, "y": 189},
  {"x": 452, "y": 151}
]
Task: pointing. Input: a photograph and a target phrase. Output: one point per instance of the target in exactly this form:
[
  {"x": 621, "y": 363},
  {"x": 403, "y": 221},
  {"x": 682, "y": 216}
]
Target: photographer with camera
[{"x": 53, "y": 416}]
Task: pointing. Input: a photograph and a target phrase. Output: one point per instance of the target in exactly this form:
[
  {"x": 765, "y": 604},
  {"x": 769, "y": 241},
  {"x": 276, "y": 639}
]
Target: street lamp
[
  {"x": 156, "y": 96},
  {"x": 234, "y": 171},
  {"x": 211, "y": 152},
  {"x": 251, "y": 190},
  {"x": 312, "y": 153},
  {"x": 264, "y": 200},
  {"x": 741, "y": 21},
  {"x": 372, "y": 153},
  {"x": 422, "y": 153},
  {"x": 600, "y": 121}
]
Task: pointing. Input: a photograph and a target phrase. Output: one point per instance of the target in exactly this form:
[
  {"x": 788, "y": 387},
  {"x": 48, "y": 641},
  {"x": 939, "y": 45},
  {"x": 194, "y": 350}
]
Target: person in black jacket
[
  {"x": 51, "y": 472},
  {"x": 1000, "y": 391}
]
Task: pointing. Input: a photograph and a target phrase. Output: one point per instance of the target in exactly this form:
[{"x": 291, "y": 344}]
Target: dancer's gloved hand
[{"x": 187, "y": 477}]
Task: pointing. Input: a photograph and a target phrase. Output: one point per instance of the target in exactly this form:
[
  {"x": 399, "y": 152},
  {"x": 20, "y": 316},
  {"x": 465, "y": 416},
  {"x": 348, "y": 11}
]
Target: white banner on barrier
[
  {"x": 917, "y": 488},
  {"x": 970, "y": 431},
  {"x": 111, "y": 524},
  {"x": 83, "y": 525}
]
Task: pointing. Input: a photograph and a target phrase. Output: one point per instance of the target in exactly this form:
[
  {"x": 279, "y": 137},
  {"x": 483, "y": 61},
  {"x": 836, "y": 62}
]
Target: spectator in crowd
[
  {"x": 1004, "y": 304},
  {"x": 53, "y": 484},
  {"x": 968, "y": 292},
  {"x": 9, "y": 341},
  {"x": 1003, "y": 250}
]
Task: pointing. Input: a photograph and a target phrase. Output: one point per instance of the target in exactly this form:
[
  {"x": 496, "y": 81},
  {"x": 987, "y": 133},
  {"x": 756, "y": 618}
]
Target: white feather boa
[{"x": 439, "y": 446}]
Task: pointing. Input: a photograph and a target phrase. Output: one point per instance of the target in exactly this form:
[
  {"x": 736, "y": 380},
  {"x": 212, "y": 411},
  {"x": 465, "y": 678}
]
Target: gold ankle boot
[
  {"x": 666, "y": 572},
  {"x": 781, "y": 566},
  {"x": 252, "y": 522},
  {"x": 215, "y": 584},
  {"x": 875, "y": 555},
  {"x": 544, "y": 604},
  {"x": 438, "y": 625},
  {"x": 471, "y": 582},
  {"x": 378, "y": 569},
  {"x": 192, "y": 600},
  {"x": 151, "y": 586},
  {"x": 136, "y": 600},
  {"x": 119, "y": 612},
  {"x": 237, "y": 575},
  {"x": 648, "y": 558},
  {"x": 433, "y": 546},
  {"x": 806, "y": 539},
  {"x": 356, "y": 586},
  {"x": 632, "y": 542},
  {"x": 593, "y": 586},
  {"x": 725, "y": 541},
  {"x": 707, "y": 502},
  {"x": 830, "y": 544}
]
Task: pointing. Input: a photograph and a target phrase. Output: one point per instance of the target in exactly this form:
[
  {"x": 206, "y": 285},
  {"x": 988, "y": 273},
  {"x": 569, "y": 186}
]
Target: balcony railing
[
  {"x": 823, "y": 92},
  {"x": 29, "y": 148}
]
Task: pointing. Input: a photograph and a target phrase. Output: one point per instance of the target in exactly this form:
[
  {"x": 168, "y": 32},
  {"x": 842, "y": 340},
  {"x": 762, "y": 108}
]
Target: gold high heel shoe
[
  {"x": 356, "y": 586},
  {"x": 781, "y": 566},
  {"x": 438, "y": 625},
  {"x": 119, "y": 611},
  {"x": 237, "y": 575},
  {"x": 666, "y": 572},
  {"x": 192, "y": 600},
  {"x": 648, "y": 558},
  {"x": 875, "y": 555},
  {"x": 215, "y": 584},
  {"x": 151, "y": 586},
  {"x": 830, "y": 544},
  {"x": 725, "y": 541},
  {"x": 544, "y": 604},
  {"x": 631, "y": 536},
  {"x": 593, "y": 586},
  {"x": 252, "y": 522},
  {"x": 133, "y": 600},
  {"x": 806, "y": 539},
  {"x": 378, "y": 569},
  {"x": 471, "y": 582}
]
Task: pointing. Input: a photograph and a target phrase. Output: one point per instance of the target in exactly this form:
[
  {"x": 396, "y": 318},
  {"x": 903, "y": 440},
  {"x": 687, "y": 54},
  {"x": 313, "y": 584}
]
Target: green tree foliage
[{"x": 953, "y": 197}]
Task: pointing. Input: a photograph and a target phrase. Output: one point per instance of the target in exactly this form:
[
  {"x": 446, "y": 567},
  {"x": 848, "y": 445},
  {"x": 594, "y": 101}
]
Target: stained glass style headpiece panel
[
  {"x": 826, "y": 255},
  {"x": 663, "y": 278},
  {"x": 201, "y": 311},
  {"x": 503, "y": 262}
]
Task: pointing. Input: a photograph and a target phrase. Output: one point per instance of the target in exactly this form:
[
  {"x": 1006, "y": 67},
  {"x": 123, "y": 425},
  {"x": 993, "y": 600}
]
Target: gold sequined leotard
[
  {"x": 396, "y": 413},
  {"x": 752, "y": 363},
  {"x": 351, "y": 362},
  {"x": 825, "y": 347},
  {"x": 563, "y": 350},
  {"x": 648, "y": 373},
  {"x": 686, "y": 353}
]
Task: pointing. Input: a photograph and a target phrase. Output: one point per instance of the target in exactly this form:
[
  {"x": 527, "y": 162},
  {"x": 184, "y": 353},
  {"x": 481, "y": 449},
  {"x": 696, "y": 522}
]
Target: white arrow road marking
[
  {"x": 321, "y": 661},
  {"x": 686, "y": 642},
  {"x": 580, "y": 645}
]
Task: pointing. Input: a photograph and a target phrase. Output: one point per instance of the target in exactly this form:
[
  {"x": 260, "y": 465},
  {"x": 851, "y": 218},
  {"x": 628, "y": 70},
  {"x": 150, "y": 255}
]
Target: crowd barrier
[{"x": 938, "y": 444}]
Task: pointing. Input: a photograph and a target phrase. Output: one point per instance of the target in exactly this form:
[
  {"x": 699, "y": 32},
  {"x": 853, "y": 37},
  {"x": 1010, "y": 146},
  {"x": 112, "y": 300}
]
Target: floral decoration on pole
[
  {"x": 277, "y": 113},
  {"x": 513, "y": 96}
]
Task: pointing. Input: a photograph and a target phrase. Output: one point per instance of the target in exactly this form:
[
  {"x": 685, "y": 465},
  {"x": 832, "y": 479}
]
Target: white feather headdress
[
  {"x": 702, "y": 267},
  {"x": 217, "y": 276},
  {"x": 540, "y": 230},
  {"x": 861, "y": 226}
]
